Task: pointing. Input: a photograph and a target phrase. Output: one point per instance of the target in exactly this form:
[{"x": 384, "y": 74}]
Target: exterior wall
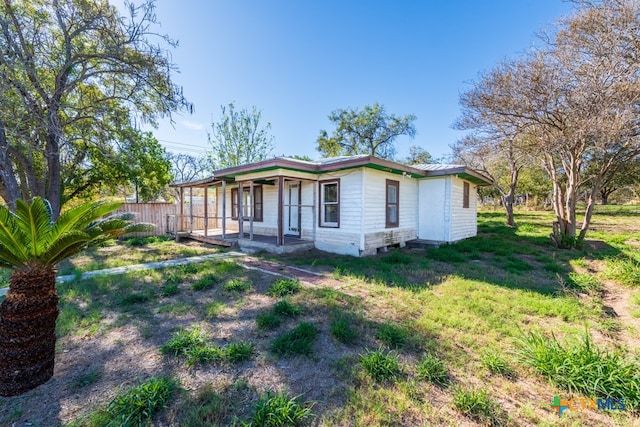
[
  {"x": 345, "y": 239},
  {"x": 374, "y": 230},
  {"x": 434, "y": 212},
  {"x": 464, "y": 221}
]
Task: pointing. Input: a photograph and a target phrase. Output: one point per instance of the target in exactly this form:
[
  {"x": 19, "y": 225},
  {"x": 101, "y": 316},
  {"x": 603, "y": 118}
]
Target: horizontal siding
[{"x": 464, "y": 221}]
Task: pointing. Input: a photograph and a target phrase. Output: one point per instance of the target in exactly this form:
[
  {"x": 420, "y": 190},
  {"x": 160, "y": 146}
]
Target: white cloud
[{"x": 192, "y": 125}]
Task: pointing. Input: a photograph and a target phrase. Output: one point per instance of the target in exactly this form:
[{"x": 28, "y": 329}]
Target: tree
[
  {"x": 368, "y": 131},
  {"x": 148, "y": 169},
  {"x": 31, "y": 245},
  {"x": 238, "y": 138},
  {"x": 185, "y": 167},
  {"x": 626, "y": 175},
  {"x": 418, "y": 156},
  {"x": 72, "y": 72},
  {"x": 576, "y": 100}
]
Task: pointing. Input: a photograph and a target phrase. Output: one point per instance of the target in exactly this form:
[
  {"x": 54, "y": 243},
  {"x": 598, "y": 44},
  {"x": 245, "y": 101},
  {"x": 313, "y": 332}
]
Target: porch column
[
  {"x": 240, "y": 212},
  {"x": 181, "y": 210},
  {"x": 206, "y": 210},
  {"x": 191, "y": 209},
  {"x": 314, "y": 210},
  {"x": 251, "y": 210},
  {"x": 280, "y": 237},
  {"x": 224, "y": 210}
]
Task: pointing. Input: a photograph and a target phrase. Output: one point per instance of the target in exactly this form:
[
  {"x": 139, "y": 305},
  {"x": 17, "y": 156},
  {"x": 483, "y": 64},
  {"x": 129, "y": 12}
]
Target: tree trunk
[
  {"x": 605, "y": 198},
  {"x": 7, "y": 175},
  {"x": 27, "y": 330}
]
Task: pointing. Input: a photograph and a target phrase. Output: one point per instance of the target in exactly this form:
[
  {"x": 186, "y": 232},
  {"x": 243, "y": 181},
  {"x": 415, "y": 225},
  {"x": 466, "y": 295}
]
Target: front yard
[{"x": 412, "y": 337}]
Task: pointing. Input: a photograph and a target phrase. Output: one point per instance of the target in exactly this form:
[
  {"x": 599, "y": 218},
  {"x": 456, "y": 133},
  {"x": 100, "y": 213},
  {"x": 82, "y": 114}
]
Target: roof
[{"x": 340, "y": 163}]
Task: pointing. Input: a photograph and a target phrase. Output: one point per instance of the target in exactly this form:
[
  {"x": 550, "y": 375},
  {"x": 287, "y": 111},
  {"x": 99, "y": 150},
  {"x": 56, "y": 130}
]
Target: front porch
[{"x": 267, "y": 212}]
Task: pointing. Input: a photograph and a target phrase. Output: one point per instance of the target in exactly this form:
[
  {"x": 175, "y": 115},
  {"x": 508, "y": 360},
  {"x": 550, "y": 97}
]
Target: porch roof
[{"x": 321, "y": 166}]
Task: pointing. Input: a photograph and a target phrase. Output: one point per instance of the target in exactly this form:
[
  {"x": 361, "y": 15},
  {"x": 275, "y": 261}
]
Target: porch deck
[{"x": 259, "y": 242}]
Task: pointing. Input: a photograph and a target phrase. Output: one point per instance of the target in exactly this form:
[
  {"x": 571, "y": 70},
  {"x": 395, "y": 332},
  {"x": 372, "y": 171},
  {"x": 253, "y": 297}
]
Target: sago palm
[{"x": 31, "y": 245}]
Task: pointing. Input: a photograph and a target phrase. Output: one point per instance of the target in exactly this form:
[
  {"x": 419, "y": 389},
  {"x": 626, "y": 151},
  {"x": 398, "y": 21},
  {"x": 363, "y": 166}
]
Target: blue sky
[{"x": 299, "y": 60}]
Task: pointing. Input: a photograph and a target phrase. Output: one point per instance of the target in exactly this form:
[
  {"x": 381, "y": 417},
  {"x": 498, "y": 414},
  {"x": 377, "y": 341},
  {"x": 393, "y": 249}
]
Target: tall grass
[
  {"x": 582, "y": 367},
  {"x": 626, "y": 270},
  {"x": 280, "y": 410}
]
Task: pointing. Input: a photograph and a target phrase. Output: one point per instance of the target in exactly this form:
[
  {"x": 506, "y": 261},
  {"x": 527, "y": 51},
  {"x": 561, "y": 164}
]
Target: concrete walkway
[{"x": 137, "y": 267}]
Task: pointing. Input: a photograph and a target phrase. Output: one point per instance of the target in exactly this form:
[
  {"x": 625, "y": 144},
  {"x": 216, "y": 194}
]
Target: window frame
[
  {"x": 466, "y": 190},
  {"x": 322, "y": 203},
  {"x": 396, "y": 184},
  {"x": 258, "y": 194}
]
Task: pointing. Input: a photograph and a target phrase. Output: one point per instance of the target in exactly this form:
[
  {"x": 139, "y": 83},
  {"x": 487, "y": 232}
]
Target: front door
[{"x": 292, "y": 209}]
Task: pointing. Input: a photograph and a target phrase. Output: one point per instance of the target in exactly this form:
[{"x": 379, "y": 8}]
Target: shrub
[
  {"x": 381, "y": 366},
  {"x": 284, "y": 287},
  {"x": 582, "y": 367},
  {"x": 297, "y": 341},
  {"x": 279, "y": 410},
  {"x": 433, "y": 370}
]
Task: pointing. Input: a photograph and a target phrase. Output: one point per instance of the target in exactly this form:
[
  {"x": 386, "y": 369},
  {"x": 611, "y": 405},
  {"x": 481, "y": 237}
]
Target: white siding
[
  {"x": 376, "y": 235},
  {"x": 346, "y": 238},
  {"x": 464, "y": 221},
  {"x": 433, "y": 209}
]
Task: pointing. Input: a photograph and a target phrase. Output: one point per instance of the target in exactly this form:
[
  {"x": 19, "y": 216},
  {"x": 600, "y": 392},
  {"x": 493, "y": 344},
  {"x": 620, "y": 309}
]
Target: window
[
  {"x": 330, "y": 204},
  {"x": 246, "y": 196},
  {"x": 465, "y": 194},
  {"x": 393, "y": 203}
]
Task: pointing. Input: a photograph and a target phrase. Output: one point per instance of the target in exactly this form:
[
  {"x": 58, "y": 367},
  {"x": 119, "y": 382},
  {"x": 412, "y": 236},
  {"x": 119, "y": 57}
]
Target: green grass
[
  {"x": 236, "y": 352},
  {"x": 284, "y": 287},
  {"x": 169, "y": 289},
  {"x": 213, "y": 406},
  {"x": 89, "y": 377},
  {"x": 585, "y": 282},
  {"x": 277, "y": 409},
  {"x": 496, "y": 364},
  {"x": 135, "y": 407},
  {"x": 206, "y": 282},
  {"x": 432, "y": 369},
  {"x": 343, "y": 330},
  {"x": 299, "y": 340},
  {"x": 268, "y": 321},
  {"x": 393, "y": 336},
  {"x": 477, "y": 405},
  {"x": 286, "y": 309},
  {"x": 196, "y": 347},
  {"x": 237, "y": 285},
  {"x": 213, "y": 309},
  {"x": 625, "y": 270},
  {"x": 582, "y": 367},
  {"x": 380, "y": 365}
]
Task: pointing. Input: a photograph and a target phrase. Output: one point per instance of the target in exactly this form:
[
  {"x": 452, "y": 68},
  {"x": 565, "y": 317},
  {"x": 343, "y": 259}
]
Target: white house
[{"x": 347, "y": 205}]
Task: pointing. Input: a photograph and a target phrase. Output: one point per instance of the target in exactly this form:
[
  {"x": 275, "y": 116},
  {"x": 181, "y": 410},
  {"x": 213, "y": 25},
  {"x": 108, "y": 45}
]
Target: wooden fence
[{"x": 163, "y": 215}]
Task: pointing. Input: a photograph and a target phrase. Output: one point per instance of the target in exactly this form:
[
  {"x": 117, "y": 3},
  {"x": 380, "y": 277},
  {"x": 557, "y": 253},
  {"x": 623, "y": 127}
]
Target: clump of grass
[
  {"x": 136, "y": 407},
  {"x": 554, "y": 267},
  {"x": 227, "y": 267},
  {"x": 342, "y": 329},
  {"x": 279, "y": 410},
  {"x": 286, "y": 309},
  {"x": 134, "y": 298},
  {"x": 196, "y": 348},
  {"x": 169, "y": 289},
  {"x": 392, "y": 335},
  {"x": 189, "y": 269},
  {"x": 213, "y": 309},
  {"x": 213, "y": 407},
  {"x": 206, "y": 282},
  {"x": 446, "y": 253},
  {"x": 624, "y": 269},
  {"x": 238, "y": 351},
  {"x": 585, "y": 282},
  {"x": 476, "y": 404},
  {"x": 267, "y": 321},
  {"x": 432, "y": 369},
  {"x": 284, "y": 287},
  {"x": 297, "y": 341},
  {"x": 380, "y": 365},
  {"x": 582, "y": 367},
  {"x": 497, "y": 365},
  {"x": 184, "y": 340},
  {"x": 237, "y": 285}
]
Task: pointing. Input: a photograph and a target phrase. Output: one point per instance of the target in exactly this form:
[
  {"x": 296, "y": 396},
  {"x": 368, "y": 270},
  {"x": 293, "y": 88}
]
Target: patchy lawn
[{"x": 411, "y": 337}]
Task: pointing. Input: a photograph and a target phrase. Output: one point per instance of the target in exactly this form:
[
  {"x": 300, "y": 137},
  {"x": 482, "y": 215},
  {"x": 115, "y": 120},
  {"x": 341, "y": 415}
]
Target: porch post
[
  {"x": 314, "y": 208},
  {"x": 240, "y": 212},
  {"x": 251, "y": 210},
  {"x": 191, "y": 209},
  {"x": 224, "y": 209},
  {"x": 181, "y": 211},
  {"x": 206, "y": 210},
  {"x": 280, "y": 238}
]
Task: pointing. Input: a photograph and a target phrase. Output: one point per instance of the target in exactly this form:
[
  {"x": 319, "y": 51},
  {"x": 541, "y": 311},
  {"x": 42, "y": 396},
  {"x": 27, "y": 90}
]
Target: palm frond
[
  {"x": 11, "y": 238},
  {"x": 35, "y": 222},
  {"x": 65, "y": 246}
]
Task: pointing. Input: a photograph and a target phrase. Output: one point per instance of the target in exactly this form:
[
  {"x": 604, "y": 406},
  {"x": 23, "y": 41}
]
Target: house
[{"x": 351, "y": 205}]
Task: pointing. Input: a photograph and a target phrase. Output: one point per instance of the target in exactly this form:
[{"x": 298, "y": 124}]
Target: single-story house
[{"x": 351, "y": 205}]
